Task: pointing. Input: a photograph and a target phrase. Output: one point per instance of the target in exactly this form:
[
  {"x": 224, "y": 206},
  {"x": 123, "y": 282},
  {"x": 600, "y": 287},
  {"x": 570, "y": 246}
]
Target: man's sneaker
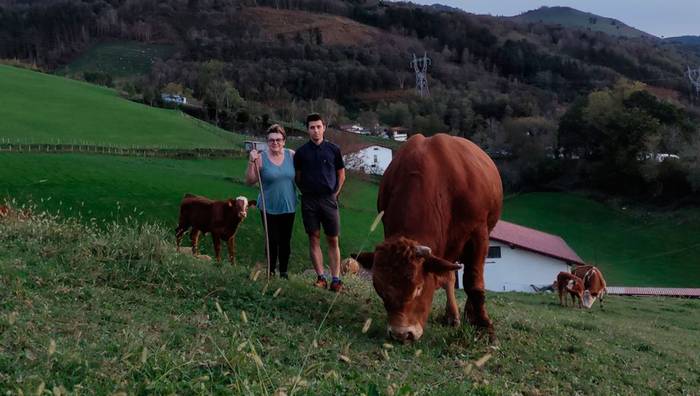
[
  {"x": 336, "y": 286},
  {"x": 321, "y": 282},
  {"x": 284, "y": 275}
]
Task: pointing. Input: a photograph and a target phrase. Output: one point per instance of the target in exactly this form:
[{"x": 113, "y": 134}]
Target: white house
[
  {"x": 253, "y": 144},
  {"x": 521, "y": 257},
  {"x": 175, "y": 99},
  {"x": 370, "y": 159}
]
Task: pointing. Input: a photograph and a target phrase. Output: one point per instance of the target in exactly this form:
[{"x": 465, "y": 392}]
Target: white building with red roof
[
  {"x": 521, "y": 257},
  {"x": 370, "y": 159}
]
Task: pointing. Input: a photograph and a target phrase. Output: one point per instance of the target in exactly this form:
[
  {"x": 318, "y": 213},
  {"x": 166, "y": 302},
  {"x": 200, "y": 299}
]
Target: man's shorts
[{"x": 320, "y": 210}]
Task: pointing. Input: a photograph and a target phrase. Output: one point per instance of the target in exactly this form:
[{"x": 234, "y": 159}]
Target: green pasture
[
  {"x": 41, "y": 108},
  {"x": 634, "y": 248},
  {"x": 119, "y": 58},
  {"x": 110, "y": 188},
  {"x": 86, "y": 309},
  {"x": 631, "y": 246}
]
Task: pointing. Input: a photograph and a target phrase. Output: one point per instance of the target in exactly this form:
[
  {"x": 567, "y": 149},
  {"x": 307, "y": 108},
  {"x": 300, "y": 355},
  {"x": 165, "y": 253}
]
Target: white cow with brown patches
[{"x": 593, "y": 283}]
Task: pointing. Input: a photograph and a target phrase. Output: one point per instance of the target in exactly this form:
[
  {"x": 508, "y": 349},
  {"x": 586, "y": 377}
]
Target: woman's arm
[{"x": 251, "y": 176}]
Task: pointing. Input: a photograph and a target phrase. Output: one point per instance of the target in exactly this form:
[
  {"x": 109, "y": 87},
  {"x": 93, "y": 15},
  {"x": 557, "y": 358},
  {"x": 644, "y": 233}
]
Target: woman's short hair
[{"x": 277, "y": 128}]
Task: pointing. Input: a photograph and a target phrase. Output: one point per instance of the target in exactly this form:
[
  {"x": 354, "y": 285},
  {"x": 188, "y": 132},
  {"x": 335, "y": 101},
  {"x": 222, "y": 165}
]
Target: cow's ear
[
  {"x": 230, "y": 203},
  {"x": 366, "y": 259},
  {"x": 439, "y": 266},
  {"x": 252, "y": 203}
]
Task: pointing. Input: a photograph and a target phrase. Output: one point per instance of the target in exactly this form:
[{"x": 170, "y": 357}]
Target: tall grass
[{"x": 106, "y": 308}]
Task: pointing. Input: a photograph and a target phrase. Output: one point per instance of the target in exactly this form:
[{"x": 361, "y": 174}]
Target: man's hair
[
  {"x": 277, "y": 128},
  {"x": 313, "y": 117}
]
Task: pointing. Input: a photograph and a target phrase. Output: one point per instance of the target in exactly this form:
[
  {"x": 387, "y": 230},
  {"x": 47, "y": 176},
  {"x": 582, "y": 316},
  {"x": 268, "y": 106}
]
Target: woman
[{"x": 276, "y": 166}]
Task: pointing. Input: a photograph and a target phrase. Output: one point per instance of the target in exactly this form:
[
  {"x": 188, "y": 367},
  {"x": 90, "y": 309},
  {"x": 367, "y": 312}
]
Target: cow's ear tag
[{"x": 439, "y": 266}]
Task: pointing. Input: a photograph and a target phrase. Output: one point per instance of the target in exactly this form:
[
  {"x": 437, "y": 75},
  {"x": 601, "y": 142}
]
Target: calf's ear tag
[{"x": 423, "y": 251}]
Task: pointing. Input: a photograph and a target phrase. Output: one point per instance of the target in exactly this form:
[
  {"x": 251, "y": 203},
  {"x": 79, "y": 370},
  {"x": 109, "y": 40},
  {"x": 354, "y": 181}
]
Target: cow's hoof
[{"x": 452, "y": 321}]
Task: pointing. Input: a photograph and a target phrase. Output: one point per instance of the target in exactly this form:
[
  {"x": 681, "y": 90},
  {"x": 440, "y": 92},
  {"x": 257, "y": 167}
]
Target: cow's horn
[{"x": 423, "y": 251}]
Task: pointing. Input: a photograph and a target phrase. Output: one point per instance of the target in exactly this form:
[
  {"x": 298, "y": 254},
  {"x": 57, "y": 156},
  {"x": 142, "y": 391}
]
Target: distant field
[
  {"x": 120, "y": 58},
  {"x": 41, "y": 108},
  {"x": 632, "y": 248}
]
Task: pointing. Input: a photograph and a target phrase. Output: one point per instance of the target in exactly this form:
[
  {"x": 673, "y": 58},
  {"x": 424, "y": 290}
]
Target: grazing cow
[
  {"x": 220, "y": 218},
  {"x": 567, "y": 282},
  {"x": 4, "y": 211},
  {"x": 441, "y": 197},
  {"x": 593, "y": 284}
]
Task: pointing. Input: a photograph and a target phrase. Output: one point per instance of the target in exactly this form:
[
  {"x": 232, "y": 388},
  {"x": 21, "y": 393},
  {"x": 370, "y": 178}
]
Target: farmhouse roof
[
  {"x": 535, "y": 241},
  {"x": 654, "y": 291}
]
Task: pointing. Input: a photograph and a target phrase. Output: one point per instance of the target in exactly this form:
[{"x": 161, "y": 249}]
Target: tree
[{"x": 221, "y": 96}]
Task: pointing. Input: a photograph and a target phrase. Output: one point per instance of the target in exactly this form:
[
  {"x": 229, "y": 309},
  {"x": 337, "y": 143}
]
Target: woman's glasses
[{"x": 275, "y": 140}]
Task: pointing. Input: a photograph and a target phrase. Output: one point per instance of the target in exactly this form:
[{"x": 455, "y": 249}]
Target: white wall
[
  {"x": 517, "y": 269},
  {"x": 372, "y": 159}
]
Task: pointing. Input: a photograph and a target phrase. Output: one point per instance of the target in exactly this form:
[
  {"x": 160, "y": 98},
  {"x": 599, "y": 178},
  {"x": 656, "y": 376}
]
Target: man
[{"x": 320, "y": 174}]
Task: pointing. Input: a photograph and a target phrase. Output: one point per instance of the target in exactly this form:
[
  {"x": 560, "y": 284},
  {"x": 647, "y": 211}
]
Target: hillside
[
  {"x": 687, "y": 40},
  {"x": 115, "y": 310},
  {"x": 42, "y": 108},
  {"x": 633, "y": 247},
  {"x": 119, "y": 59},
  {"x": 572, "y": 18}
]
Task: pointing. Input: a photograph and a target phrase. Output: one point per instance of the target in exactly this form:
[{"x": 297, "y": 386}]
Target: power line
[
  {"x": 420, "y": 66},
  {"x": 694, "y": 77}
]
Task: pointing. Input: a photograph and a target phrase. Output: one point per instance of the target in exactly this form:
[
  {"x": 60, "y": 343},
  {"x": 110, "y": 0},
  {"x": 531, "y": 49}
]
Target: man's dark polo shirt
[{"x": 318, "y": 165}]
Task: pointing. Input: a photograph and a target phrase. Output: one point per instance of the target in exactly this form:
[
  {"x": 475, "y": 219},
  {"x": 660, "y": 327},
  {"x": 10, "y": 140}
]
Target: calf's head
[
  {"x": 240, "y": 206},
  {"x": 405, "y": 276}
]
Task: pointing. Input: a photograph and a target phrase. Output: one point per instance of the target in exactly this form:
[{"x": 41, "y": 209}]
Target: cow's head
[
  {"x": 240, "y": 206},
  {"x": 405, "y": 275},
  {"x": 589, "y": 298}
]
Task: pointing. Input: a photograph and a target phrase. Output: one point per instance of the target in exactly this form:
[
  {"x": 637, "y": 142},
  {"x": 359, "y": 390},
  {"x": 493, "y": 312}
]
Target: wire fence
[{"x": 160, "y": 152}]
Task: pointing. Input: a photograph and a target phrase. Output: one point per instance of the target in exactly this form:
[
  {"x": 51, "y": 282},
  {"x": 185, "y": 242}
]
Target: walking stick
[{"x": 264, "y": 212}]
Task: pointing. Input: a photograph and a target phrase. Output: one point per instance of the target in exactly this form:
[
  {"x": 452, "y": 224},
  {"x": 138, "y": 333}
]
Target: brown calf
[
  {"x": 4, "y": 211},
  {"x": 572, "y": 284},
  {"x": 220, "y": 218}
]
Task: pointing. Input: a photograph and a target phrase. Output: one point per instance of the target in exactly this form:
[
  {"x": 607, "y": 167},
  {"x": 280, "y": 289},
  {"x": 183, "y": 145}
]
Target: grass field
[
  {"x": 101, "y": 311},
  {"x": 120, "y": 58},
  {"x": 41, "y": 108},
  {"x": 633, "y": 248},
  {"x": 149, "y": 190}
]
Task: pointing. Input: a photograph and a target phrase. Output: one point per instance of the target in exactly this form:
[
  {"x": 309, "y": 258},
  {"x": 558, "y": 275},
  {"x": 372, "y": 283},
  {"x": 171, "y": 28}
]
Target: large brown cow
[
  {"x": 220, "y": 218},
  {"x": 569, "y": 283},
  {"x": 593, "y": 284},
  {"x": 441, "y": 196}
]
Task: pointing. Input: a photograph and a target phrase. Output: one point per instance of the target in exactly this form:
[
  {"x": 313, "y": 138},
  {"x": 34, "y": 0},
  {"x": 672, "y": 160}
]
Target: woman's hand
[{"x": 254, "y": 155}]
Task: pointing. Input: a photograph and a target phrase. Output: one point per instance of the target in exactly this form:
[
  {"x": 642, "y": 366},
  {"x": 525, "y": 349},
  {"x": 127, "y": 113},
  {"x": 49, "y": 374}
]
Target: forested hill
[
  {"x": 531, "y": 92},
  {"x": 336, "y": 49},
  {"x": 570, "y": 17}
]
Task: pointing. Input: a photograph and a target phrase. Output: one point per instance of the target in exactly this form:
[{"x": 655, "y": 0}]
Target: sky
[{"x": 667, "y": 18}]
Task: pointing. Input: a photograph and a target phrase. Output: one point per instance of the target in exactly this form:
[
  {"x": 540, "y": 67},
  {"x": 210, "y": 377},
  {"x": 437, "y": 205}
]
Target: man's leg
[
  {"x": 330, "y": 219},
  {"x": 315, "y": 251},
  {"x": 312, "y": 226},
  {"x": 333, "y": 255}
]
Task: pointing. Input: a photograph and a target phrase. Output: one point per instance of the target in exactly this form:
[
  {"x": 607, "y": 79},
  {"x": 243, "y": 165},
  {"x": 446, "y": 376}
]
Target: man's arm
[
  {"x": 297, "y": 179},
  {"x": 341, "y": 180}
]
